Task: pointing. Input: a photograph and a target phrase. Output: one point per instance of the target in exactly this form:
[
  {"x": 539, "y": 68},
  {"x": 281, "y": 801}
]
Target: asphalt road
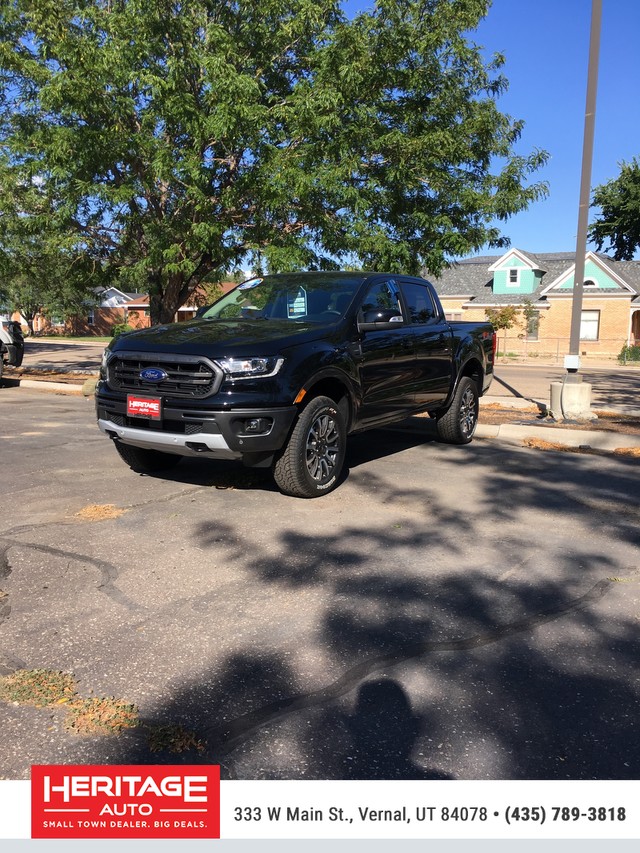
[
  {"x": 50, "y": 355},
  {"x": 618, "y": 388},
  {"x": 466, "y": 613}
]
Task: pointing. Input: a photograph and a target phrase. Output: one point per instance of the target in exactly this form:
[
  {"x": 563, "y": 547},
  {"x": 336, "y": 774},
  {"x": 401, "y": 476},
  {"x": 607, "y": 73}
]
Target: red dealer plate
[{"x": 144, "y": 407}]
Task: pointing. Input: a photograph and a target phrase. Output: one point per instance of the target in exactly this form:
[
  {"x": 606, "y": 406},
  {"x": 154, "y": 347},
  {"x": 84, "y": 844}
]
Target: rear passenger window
[{"x": 419, "y": 302}]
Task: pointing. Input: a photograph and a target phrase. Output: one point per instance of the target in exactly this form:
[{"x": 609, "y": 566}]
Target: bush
[
  {"x": 628, "y": 353},
  {"x": 120, "y": 329}
]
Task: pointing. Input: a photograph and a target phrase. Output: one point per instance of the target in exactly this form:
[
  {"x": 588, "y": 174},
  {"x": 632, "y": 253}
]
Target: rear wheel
[
  {"x": 458, "y": 424},
  {"x": 311, "y": 462},
  {"x": 145, "y": 461}
]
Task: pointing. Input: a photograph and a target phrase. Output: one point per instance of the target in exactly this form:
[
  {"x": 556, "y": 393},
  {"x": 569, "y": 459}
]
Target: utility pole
[
  {"x": 585, "y": 184},
  {"x": 572, "y": 398}
]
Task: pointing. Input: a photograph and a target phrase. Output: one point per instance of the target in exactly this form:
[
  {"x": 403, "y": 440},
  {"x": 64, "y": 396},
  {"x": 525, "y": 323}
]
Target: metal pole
[
  {"x": 585, "y": 184},
  {"x": 572, "y": 364}
]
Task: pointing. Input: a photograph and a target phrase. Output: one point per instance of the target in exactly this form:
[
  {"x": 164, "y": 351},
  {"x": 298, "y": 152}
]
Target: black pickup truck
[{"x": 282, "y": 368}]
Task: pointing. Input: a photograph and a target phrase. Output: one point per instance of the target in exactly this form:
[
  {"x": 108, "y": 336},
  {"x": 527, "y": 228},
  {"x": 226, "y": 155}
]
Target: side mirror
[{"x": 381, "y": 318}]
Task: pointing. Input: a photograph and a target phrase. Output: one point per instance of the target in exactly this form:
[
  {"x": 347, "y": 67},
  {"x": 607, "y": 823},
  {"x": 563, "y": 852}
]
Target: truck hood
[{"x": 219, "y": 338}]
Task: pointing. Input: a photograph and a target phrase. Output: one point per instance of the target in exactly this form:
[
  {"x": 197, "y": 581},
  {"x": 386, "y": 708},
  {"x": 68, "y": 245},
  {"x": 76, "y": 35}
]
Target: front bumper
[
  {"x": 189, "y": 431},
  {"x": 15, "y": 353}
]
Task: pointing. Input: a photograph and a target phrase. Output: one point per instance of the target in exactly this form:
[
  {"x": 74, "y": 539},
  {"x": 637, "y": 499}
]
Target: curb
[
  {"x": 594, "y": 439},
  {"x": 43, "y": 385},
  {"x": 543, "y": 405}
]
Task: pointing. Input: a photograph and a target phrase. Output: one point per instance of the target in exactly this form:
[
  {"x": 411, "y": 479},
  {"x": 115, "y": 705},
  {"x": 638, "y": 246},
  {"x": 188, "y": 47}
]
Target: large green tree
[
  {"x": 179, "y": 140},
  {"x": 617, "y": 228},
  {"x": 44, "y": 268}
]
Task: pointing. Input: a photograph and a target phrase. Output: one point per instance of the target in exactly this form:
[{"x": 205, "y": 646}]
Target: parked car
[
  {"x": 11, "y": 344},
  {"x": 282, "y": 368}
]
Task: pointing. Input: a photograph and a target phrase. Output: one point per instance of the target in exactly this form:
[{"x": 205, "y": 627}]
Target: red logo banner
[{"x": 125, "y": 801}]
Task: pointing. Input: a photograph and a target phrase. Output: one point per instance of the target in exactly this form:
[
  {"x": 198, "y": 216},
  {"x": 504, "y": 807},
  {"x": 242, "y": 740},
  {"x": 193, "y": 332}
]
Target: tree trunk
[{"x": 166, "y": 297}]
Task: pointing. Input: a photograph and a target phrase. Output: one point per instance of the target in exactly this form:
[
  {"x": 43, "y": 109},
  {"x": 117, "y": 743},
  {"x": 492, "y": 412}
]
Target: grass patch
[
  {"x": 39, "y": 687},
  {"x": 106, "y": 716},
  {"x": 90, "y": 339},
  {"x": 94, "y": 716},
  {"x": 541, "y": 444},
  {"x": 173, "y": 738},
  {"x": 99, "y": 512}
]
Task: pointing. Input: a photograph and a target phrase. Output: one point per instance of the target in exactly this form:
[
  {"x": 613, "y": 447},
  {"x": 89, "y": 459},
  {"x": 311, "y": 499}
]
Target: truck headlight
[
  {"x": 250, "y": 368},
  {"x": 104, "y": 362}
]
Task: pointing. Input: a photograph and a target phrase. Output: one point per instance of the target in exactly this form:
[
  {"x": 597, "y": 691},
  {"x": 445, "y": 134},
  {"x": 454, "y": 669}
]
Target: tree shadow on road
[{"x": 415, "y": 667}]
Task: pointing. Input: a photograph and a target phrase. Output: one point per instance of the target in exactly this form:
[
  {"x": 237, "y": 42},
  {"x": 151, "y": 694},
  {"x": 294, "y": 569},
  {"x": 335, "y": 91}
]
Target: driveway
[
  {"x": 51, "y": 355},
  {"x": 448, "y": 612}
]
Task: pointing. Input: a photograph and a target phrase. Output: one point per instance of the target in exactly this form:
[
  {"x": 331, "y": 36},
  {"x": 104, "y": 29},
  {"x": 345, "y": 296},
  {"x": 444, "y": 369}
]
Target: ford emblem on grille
[{"x": 153, "y": 374}]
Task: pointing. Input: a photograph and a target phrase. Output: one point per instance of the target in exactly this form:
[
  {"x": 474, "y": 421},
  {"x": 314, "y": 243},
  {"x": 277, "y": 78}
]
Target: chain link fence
[{"x": 553, "y": 350}]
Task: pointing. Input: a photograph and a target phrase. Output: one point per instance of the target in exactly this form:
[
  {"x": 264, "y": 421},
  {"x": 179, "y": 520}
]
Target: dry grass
[
  {"x": 39, "y": 687},
  {"x": 106, "y": 716},
  {"x": 633, "y": 452},
  {"x": 99, "y": 512},
  {"x": 542, "y": 444},
  {"x": 173, "y": 738}
]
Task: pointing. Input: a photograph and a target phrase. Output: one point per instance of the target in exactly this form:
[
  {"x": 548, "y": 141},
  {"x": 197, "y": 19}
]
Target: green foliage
[
  {"x": 618, "y": 225},
  {"x": 207, "y": 293},
  {"x": 120, "y": 329},
  {"x": 526, "y": 315},
  {"x": 629, "y": 353},
  {"x": 175, "y": 142},
  {"x": 502, "y": 318},
  {"x": 43, "y": 266}
]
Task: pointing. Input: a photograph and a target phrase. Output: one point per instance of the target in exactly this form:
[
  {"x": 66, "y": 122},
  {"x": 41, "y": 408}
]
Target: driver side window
[{"x": 380, "y": 297}]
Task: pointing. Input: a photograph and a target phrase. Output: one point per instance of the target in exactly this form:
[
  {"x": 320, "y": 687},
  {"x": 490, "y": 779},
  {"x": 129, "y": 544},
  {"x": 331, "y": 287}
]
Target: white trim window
[
  {"x": 513, "y": 279},
  {"x": 590, "y": 326}
]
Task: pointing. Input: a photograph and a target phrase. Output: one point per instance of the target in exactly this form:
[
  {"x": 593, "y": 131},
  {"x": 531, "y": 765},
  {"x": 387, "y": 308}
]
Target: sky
[{"x": 546, "y": 45}]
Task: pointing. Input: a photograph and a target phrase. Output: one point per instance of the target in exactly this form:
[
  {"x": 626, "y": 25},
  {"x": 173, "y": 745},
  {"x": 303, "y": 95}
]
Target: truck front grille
[{"x": 193, "y": 377}]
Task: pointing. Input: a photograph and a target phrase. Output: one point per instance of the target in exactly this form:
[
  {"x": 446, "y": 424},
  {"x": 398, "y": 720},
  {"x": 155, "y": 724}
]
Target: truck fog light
[{"x": 256, "y": 426}]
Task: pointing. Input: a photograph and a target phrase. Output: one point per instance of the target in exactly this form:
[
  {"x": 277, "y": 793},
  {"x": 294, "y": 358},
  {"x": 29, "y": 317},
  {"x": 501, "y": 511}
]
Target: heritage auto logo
[{"x": 125, "y": 801}]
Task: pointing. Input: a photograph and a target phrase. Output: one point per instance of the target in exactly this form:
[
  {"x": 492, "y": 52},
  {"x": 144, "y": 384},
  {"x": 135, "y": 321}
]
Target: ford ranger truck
[{"x": 279, "y": 371}]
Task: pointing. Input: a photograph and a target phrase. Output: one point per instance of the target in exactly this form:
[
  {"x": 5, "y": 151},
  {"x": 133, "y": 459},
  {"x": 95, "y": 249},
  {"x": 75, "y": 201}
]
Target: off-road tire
[
  {"x": 310, "y": 463},
  {"x": 144, "y": 461},
  {"x": 458, "y": 424}
]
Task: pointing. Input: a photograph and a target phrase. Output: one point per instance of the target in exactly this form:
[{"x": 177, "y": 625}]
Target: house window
[
  {"x": 514, "y": 278},
  {"x": 589, "y": 325},
  {"x": 533, "y": 326},
  {"x": 589, "y": 283},
  {"x": 91, "y": 317},
  {"x": 453, "y": 317}
]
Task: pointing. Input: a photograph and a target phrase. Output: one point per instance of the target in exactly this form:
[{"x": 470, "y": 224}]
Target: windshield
[{"x": 301, "y": 298}]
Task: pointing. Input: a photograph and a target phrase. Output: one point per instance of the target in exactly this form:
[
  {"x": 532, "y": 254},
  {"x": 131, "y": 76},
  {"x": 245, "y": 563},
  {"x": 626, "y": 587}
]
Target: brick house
[
  {"x": 610, "y": 310},
  {"x": 112, "y": 307}
]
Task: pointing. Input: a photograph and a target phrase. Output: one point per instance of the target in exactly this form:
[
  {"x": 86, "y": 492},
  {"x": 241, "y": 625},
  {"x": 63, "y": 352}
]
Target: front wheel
[
  {"x": 311, "y": 461},
  {"x": 145, "y": 461},
  {"x": 458, "y": 424}
]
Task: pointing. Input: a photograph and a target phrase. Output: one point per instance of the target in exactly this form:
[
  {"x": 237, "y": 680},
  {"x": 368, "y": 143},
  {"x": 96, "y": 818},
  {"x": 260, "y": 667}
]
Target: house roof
[{"x": 472, "y": 280}]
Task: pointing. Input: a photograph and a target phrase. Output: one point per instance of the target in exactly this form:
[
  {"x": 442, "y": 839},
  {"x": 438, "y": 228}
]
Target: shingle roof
[{"x": 470, "y": 278}]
